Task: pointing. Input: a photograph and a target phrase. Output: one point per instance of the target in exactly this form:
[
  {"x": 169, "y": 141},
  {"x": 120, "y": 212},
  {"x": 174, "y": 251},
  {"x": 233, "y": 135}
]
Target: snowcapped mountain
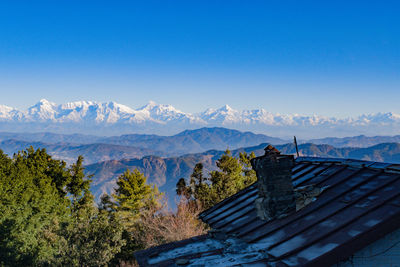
[
  {"x": 164, "y": 114},
  {"x": 8, "y": 113},
  {"x": 110, "y": 118}
]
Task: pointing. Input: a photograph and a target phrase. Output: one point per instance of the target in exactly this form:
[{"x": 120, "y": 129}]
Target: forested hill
[
  {"x": 193, "y": 141},
  {"x": 165, "y": 172}
]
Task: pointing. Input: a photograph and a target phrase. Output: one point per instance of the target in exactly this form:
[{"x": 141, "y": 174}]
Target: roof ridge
[{"x": 358, "y": 163}]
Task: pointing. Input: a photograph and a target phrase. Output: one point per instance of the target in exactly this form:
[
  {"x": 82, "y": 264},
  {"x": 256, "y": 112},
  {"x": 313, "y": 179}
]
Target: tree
[
  {"x": 228, "y": 180},
  {"x": 48, "y": 216},
  {"x": 134, "y": 199},
  {"x": 78, "y": 184},
  {"x": 249, "y": 174},
  {"x": 93, "y": 236},
  {"x": 234, "y": 174},
  {"x": 133, "y": 196},
  {"x": 32, "y": 207},
  {"x": 182, "y": 189},
  {"x": 91, "y": 239}
]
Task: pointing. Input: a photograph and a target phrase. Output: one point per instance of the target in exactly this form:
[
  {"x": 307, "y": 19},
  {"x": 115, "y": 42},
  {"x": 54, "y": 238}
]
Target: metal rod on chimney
[{"x": 295, "y": 144}]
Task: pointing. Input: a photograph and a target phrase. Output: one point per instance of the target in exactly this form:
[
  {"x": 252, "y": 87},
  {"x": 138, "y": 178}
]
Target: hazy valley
[{"x": 165, "y": 159}]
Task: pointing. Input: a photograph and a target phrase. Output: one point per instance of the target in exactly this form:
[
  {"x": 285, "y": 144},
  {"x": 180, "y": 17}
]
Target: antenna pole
[{"x": 295, "y": 144}]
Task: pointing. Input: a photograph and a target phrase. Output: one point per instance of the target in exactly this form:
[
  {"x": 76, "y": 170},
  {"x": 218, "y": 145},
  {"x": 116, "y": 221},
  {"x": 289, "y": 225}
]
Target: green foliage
[
  {"x": 134, "y": 198},
  {"x": 40, "y": 224},
  {"x": 248, "y": 172},
  {"x": 182, "y": 189},
  {"x": 31, "y": 208},
  {"x": 133, "y": 195},
  {"x": 78, "y": 185},
  {"x": 91, "y": 239},
  {"x": 48, "y": 216},
  {"x": 234, "y": 174}
]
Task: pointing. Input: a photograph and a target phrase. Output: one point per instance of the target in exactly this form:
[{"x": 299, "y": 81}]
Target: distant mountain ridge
[
  {"x": 165, "y": 159},
  {"x": 192, "y": 141},
  {"x": 165, "y": 172},
  {"x": 69, "y": 153},
  {"x": 48, "y": 137},
  {"x": 68, "y": 147},
  {"x": 90, "y": 117},
  {"x": 356, "y": 141}
]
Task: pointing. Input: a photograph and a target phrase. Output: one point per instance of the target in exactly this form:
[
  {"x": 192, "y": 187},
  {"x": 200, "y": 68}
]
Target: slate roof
[{"x": 360, "y": 204}]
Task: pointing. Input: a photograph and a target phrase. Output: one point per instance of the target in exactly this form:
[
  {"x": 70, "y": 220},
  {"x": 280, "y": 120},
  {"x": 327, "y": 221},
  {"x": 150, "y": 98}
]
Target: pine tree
[
  {"x": 199, "y": 187},
  {"x": 134, "y": 198},
  {"x": 79, "y": 184},
  {"x": 228, "y": 180},
  {"x": 249, "y": 174},
  {"x": 93, "y": 236},
  {"x": 32, "y": 208},
  {"x": 182, "y": 189},
  {"x": 233, "y": 175},
  {"x": 133, "y": 195},
  {"x": 40, "y": 225}
]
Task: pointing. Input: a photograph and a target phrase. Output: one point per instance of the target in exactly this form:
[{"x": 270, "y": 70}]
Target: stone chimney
[{"x": 275, "y": 190}]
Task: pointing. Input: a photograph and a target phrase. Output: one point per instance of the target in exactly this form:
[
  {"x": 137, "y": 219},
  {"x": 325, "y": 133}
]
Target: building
[{"x": 302, "y": 212}]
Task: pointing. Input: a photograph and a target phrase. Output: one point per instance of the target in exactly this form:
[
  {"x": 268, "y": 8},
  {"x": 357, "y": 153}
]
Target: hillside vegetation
[
  {"x": 48, "y": 216},
  {"x": 165, "y": 172}
]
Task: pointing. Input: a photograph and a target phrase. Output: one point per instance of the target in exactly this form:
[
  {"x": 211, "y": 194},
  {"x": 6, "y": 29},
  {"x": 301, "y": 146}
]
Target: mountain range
[
  {"x": 95, "y": 148},
  {"x": 92, "y": 153},
  {"x": 165, "y": 172},
  {"x": 165, "y": 159},
  {"x": 111, "y": 118}
]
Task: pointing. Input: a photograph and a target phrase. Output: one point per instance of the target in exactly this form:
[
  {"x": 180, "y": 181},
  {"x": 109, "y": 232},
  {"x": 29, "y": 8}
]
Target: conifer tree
[
  {"x": 182, "y": 189},
  {"x": 93, "y": 236},
  {"x": 39, "y": 224},
  {"x": 79, "y": 184},
  {"x": 199, "y": 187},
  {"x": 133, "y": 195},
  {"x": 134, "y": 198},
  {"x": 248, "y": 172},
  {"x": 233, "y": 175},
  {"x": 32, "y": 209},
  {"x": 228, "y": 180}
]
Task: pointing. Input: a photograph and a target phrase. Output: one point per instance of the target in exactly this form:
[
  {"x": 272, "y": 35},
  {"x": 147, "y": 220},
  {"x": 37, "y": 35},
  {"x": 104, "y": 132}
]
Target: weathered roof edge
[{"x": 142, "y": 255}]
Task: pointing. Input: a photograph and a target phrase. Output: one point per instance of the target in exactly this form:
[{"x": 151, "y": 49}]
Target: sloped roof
[{"x": 360, "y": 204}]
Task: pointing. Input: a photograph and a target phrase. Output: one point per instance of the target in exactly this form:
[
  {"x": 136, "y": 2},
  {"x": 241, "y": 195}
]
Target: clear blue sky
[{"x": 336, "y": 58}]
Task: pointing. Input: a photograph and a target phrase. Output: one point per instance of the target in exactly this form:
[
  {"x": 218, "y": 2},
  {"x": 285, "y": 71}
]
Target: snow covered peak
[
  {"x": 45, "y": 102},
  {"x": 226, "y": 108},
  {"x": 158, "y": 109},
  {"x": 149, "y": 106},
  {"x": 43, "y": 110},
  {"x": 78, "y": 104},
  {"x": 5, "y": 109},
  {"x": 162, "y": 113},
  {"x": 154, "y": 115},
  {"x": 8, "y": 113},
  {"x": 223, "y": 115}
]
